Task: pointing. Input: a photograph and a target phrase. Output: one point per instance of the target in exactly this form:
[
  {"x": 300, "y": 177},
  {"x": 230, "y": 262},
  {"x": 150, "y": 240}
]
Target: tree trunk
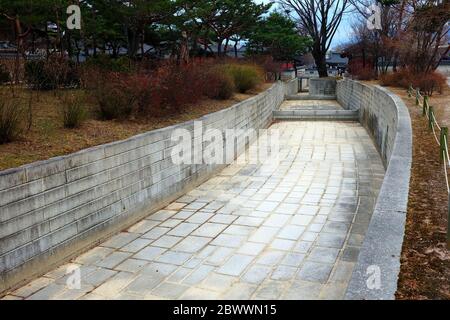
[
  {"x": 18, "y": 26},
  {"x": 226, "y": 46},
  {"x": 133, "y": 43},
  {"x": 69, "y": 46},
  {"x": 59, "y": 33},
  {"x": 397, "y": 36},
  {"x": 143, "y": 44},
  {"x": 47, "y": 42},
  {"x": 114, "y": 50},
  {"x": 19, "y": 44},
  {"x": 95, "y": 47},
  {"x": 33, "y": 42},
  {"x": 219, "y": 47},
  {"x": 321, "y": 63},
  {"x": 78, "y": 51},
  {"x": 394, "y": 63},
  {"x": 184, "y": 48}
]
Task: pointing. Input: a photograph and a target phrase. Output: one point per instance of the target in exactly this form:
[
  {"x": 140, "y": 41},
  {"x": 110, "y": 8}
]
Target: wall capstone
[{"x": 386, "y": 118}]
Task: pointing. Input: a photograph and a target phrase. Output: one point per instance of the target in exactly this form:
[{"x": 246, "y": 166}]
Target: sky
[{"x": 343, "y": 33}]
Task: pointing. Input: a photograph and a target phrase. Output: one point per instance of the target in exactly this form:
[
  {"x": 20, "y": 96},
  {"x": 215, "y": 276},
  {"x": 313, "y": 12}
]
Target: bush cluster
[
  {"x": 169, "y": 88},
  {"x": 50, "y": 74},
  {"x": 107, "y": 63},
  {"x": 219, "y": 86},
  {"x": 428, "y": 83},
  {"x": 246, "y": 77},
  {"x": 123, "y": 88},
  {"x": 361, "y": 71},
  {"x": 115, "y": 96}
]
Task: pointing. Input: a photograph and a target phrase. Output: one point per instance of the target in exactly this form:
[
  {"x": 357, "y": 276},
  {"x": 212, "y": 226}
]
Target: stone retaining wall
[
  {"x": 322, "y": 86},
  {"x": 386, "y": 118},
  {"x": 53, "y": 210}
]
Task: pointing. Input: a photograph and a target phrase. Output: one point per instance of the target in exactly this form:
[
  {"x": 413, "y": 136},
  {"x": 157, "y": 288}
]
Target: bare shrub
[
  {"x": 73, "y": 111},
  {"x": 427, "y": 82},
  {"x": 11, "y": 120},
  {"x": 245, "y": 76}
]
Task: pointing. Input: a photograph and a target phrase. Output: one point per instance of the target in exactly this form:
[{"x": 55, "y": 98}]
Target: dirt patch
[
  {"x": 425, "y": 261},
  {"x": 47, "y": 137}
]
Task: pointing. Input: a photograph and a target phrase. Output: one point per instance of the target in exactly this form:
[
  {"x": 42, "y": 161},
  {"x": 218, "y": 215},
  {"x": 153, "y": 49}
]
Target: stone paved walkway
[
  {"x": 293, "y": 233},
  {"x": 311, "y": 105}
]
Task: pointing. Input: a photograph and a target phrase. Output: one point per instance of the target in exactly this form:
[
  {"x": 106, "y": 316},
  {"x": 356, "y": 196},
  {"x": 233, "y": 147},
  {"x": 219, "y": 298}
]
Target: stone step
[
  {"x": 310, "y": 97},
  {"x": 316, "y": 115},
  {"x": 308, "y": 107}
]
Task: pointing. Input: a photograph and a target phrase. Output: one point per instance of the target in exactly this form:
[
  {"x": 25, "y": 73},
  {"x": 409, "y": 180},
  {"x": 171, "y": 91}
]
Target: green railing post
[
  {"x": 425, "y": 105},
  {"x": 430, "y": 117},
  {"x": 442, "y": 140},
  {"x": 417, "y": 97}
]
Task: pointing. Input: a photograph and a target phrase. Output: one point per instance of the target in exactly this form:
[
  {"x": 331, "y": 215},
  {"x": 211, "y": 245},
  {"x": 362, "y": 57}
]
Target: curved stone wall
[
  {"x": 386, "y": 118},
  {"x": 52, "y": 210}
]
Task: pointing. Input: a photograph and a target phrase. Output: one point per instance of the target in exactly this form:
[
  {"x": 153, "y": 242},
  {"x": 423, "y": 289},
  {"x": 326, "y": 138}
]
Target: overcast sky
[{"x": 342, "y": 34}]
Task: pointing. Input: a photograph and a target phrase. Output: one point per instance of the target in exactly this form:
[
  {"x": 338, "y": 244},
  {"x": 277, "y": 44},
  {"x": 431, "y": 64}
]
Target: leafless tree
[
  {"x": 319, "y": 19},
  {"x": 428, "y": 29},
  {"x": 380, "y": 43},
  {"x": 413, "y": 33}
]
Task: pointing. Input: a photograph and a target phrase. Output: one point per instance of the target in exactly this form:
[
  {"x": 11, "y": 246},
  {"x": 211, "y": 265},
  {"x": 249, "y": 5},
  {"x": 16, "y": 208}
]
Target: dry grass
[
  {"x": 47, "y": 137},
  {"x": 425, "y": 261}
]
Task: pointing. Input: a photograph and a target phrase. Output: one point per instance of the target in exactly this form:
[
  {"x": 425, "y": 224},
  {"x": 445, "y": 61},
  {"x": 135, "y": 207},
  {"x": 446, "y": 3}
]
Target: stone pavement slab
[{"x": 291, "y": 232}]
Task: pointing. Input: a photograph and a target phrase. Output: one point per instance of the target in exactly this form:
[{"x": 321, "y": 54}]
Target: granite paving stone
[
  {"x": 291, "y": 232},
  {"x": 166, "y": 241},
  {"x": 113, "y": 259},
  {"x": 198, "y": 275},
  {"x": 192, "y": 244},
  {"x": 136, "y": 245},
  {"x": 131, "y": 265},
  {"x": 315, "y": 272},
  {"x": 256, "y": 274},
  {"x": 235, "y": 265}
]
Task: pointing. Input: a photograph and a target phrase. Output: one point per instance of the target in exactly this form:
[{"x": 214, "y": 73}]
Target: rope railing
[
  {"x": 445, "y": 167},
  {"x": 435, "y": 136},
  {"x": 435, "y": 122},
  {"x": 446, "y": 153},
  {"x": 428, "y": 111}
]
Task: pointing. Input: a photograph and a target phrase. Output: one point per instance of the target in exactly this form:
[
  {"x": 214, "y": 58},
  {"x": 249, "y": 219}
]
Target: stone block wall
[
  {"x": 378, "y": 112},
  {"x": 53, "y": 210},
  {"x": 322, "y": 87},
  {"x": 386, "y": 118}
]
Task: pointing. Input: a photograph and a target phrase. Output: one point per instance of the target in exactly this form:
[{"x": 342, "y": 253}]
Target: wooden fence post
[{"x": 425, "y": 105}]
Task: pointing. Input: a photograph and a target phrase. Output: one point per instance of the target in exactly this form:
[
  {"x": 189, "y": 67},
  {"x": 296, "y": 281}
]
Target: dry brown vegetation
[
  {"x": 47, "y": 137},
  {"x": 425, "y": 261}
]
